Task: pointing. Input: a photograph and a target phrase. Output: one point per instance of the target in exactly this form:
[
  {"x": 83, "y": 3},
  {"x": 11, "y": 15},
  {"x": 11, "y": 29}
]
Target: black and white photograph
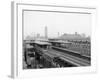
[
  {"x": 56, "y": 39},
  {"x": 52, "y": 39}
]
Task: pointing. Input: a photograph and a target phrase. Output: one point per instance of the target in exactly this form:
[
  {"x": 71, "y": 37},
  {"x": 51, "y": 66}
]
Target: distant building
[
  {"x": 38, "y": 35},
  {"x": 83, "y": 35},
  {"x": 46, "y": 32},
  {"x": 58, "y": 34},
  {"x": 75, "y": 36},
  {"x": 76, "y": 33},
  {"x": 29, "y": 38}
]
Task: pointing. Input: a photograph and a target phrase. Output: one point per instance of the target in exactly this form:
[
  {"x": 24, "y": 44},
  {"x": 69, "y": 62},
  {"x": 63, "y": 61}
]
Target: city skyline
[
  {"x": 74, "y": 35},
  {"x": 35, "y": 23}
]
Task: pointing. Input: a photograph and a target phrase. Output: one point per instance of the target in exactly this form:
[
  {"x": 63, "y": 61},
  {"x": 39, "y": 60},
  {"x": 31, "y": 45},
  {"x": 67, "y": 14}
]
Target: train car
[{"x": 28, "y": 54}]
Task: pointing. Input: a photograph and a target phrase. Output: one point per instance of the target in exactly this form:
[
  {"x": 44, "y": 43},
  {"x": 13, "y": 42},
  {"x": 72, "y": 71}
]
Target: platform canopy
[
  {"x": 61, "y": 41},
  {"x": 42, "y": 43},
  {"x": 29, "y": 46},
  {"x": 42, "y": 39}
]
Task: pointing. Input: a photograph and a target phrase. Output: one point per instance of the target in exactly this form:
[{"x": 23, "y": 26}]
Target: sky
[{"x": 35, "y": 22}]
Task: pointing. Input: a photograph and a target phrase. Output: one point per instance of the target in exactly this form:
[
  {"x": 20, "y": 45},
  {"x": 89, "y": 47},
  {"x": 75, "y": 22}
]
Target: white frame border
[{"x": 16, "y": 70}]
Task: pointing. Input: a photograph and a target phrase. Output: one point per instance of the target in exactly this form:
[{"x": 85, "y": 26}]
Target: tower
[
  {"x": 46, "y": 32},
  {"x": 58, "y": 34}
]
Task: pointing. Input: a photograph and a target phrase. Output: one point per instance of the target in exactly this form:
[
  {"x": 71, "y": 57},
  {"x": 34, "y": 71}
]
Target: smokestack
[{"x": 46, "y": 32}]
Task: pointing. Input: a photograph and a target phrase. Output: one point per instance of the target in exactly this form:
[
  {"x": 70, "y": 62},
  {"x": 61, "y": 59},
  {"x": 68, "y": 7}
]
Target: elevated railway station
[{"x": 52, "y": 54}]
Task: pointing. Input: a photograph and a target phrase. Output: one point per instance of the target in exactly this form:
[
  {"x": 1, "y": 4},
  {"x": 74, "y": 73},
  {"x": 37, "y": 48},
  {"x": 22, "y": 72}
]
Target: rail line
[{"x": 72, "y": 59}]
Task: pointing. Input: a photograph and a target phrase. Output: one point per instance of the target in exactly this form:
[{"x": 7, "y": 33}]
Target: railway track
[
  {"x": 74, "y": 53},
  {"x": 69, "y": 58}
]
